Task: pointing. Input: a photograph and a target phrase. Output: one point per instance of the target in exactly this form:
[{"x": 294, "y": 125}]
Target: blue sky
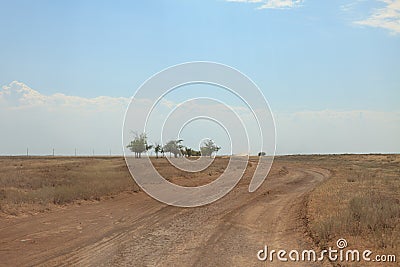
[
  {"x": 307, "y": 56},
  {"x": 312, "y": 56}
]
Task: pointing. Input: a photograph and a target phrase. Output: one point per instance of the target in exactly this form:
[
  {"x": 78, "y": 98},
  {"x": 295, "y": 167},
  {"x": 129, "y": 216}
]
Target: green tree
[
  {"x": 139, "y": 145},
  {"x": 188, "y": 151},
  {"x": 183, "y": 151},
  {"x": 173, "y": 147},
  {"x": 196, "y": 153},
  {"x": 148, "y": 147},
  {"x": 208, "y": 148},
  {"x": 158, "y": 149}
]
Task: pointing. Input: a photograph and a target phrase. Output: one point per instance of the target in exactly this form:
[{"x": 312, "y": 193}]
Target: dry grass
[
  {"x": 190, "y": 179},
  {"x": 361, "y": 203},
  {"x": 34, "y": 184}
]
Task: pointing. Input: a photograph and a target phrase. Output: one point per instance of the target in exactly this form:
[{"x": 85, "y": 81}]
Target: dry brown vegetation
[
  {"x": 30, "y": 185},
  {"x": 35, "y": 184},
  {"x": 360, "y": 202},
  {"x": 190, "y": 179}
]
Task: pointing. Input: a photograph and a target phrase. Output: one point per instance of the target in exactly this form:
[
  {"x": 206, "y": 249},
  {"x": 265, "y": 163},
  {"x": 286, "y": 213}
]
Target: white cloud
[
  {"x": 273, "y": 4},
  {"x": 40, "y": 122},
  {"x": 387, "y": 17},
  {"x": 43, "y": 122},
  {"x": 18, "y": 95}
]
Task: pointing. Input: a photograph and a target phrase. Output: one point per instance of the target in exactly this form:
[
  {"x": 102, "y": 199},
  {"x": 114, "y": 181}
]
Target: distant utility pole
[
  {"x": 27, "y": 152},
  {"x": 53, "y": 152},
  {"x": 93, "y": 152}
]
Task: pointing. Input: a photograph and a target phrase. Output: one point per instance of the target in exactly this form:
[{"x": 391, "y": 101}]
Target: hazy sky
[{"x": 329, "y": 69}]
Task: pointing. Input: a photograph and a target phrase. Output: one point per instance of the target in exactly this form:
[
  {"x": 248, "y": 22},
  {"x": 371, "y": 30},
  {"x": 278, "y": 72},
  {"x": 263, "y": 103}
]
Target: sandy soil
[{"x": 132, "y": 229}]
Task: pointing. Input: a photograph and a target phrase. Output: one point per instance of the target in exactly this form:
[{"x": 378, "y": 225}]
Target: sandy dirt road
[{"x": 135, "y": 230}]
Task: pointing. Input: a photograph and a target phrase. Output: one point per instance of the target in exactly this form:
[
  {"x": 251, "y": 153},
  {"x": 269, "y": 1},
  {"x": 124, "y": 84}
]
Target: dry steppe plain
[{"x": 87, "y": 211}]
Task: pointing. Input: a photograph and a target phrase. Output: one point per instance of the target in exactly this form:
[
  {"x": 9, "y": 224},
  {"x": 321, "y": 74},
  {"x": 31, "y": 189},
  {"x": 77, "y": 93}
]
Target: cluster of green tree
[
  {"x": 139, "y": 145},
  {"x": 174, "y": 147}
]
